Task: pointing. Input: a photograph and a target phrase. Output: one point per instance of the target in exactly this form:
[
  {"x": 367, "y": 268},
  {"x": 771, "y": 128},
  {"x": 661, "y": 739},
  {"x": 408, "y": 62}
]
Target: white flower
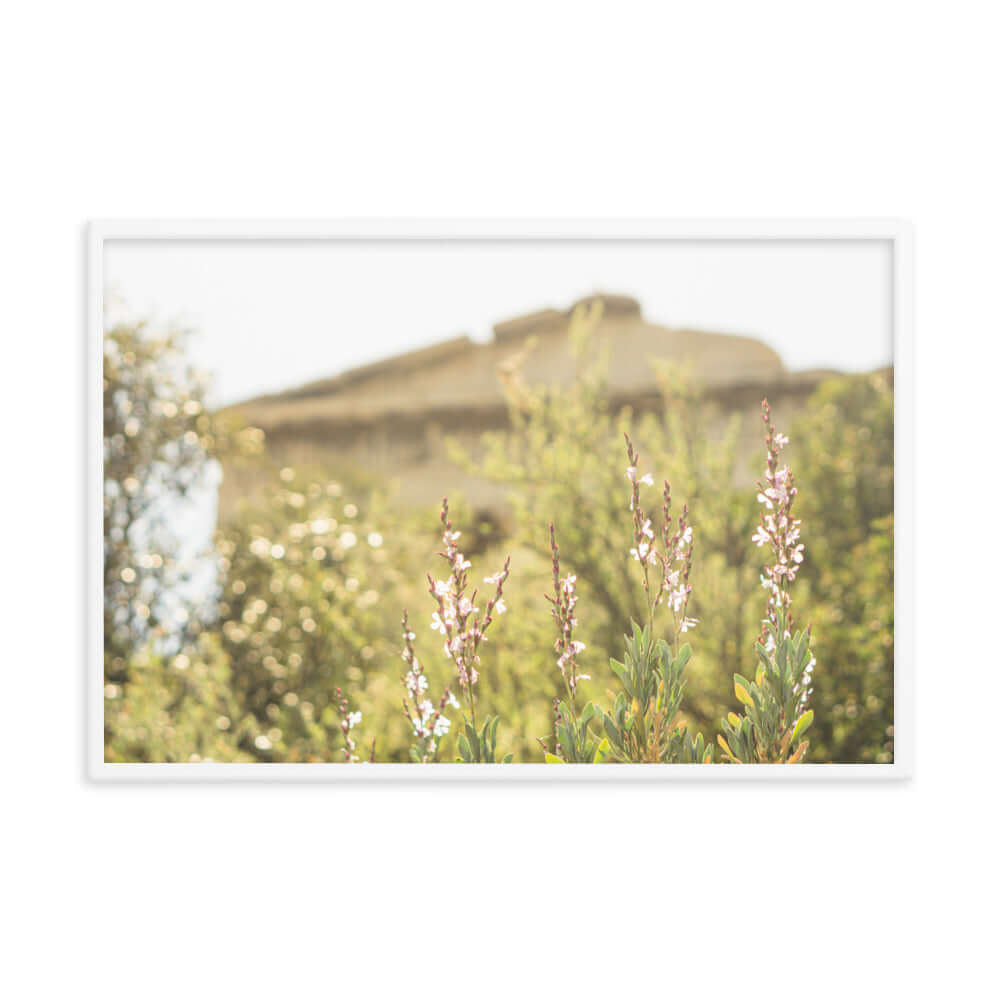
[
  {"x": 496, "y": 578},
  {"x": 444, "y": 588},
  {"x": 640, "y": 554},
  {"x": 780, "y": 440},
  {"x": 438, "y": 625},
  {"x": 760, "y": 536},
  {"x": 677, "y": 597},
  {"x": 500, "y": 607},
  {"x": 647, "y": 529},
  {"x": 453, "y": 701},
  {"x": 441, "y": 726},
  {"x": 353, "y": 719},
  {"x": 465, "y": 607},
  {"x": 416, "y": 683},
  {"x": 571, "y": 650},
  {"x": 689, "y": 623},
  {"x": 631, "y": 472}
]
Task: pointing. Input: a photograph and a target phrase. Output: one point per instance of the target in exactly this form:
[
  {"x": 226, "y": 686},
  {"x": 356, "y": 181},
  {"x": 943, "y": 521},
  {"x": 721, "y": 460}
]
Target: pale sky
[{"x": 270, "y": 315}]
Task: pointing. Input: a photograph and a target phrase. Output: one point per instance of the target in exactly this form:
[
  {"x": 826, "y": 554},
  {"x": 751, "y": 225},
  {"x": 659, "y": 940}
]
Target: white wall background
[{"x": 120, "y": 109}]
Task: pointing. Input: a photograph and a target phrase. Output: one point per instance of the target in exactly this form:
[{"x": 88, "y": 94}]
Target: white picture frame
[{"x": 897, "y": 234}]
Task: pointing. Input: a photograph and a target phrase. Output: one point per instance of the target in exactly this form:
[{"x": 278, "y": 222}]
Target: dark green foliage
[
  {"x": 774, "y": 719},
  {"x": 480, "y": 747},
  {"x": 642, "y": 727}
]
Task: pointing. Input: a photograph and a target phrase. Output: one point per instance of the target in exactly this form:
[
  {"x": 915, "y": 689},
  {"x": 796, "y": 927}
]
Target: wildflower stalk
[
  {"x": 643, "y": 725},
  {"x": 775, "y": 718},
  {"x": 429, "y": 723},
  {"x": 573, "y": 741},
  {"x": 463, "y": 629},
  {"x": 673, "y": 557},
  {"x": 563, "y": 606},
  {"x": 348, "y": 720}
]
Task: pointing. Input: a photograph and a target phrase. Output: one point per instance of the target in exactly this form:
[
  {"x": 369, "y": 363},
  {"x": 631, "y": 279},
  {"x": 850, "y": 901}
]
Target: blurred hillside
[{"x": 394, "y": 416}]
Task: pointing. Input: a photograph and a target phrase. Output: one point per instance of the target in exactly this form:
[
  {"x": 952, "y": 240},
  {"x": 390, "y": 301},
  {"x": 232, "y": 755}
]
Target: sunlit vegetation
[{"x": 619, "y": 614}]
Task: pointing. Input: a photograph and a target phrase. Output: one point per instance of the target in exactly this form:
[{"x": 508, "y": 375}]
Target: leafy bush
[
  {"x": 847, "y": 432},
  {"x": 307, "y": 578},
  {"x": 178, "y": 708}
]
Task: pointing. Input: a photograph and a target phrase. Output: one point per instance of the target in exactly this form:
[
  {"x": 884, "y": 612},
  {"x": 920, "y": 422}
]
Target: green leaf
[
  {"x": 742, "y": 694},
  {"x": 609, "y": 728},
  {"x": 620, "y": 671},
  {"x": 805, "y": 721},
  {"x": 550, "y": 758},
  {"x": 725, "y": 747}
]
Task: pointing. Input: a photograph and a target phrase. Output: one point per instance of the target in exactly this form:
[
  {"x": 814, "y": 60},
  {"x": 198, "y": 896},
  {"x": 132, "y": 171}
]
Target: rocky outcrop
[{"x": 393, "y": 415}]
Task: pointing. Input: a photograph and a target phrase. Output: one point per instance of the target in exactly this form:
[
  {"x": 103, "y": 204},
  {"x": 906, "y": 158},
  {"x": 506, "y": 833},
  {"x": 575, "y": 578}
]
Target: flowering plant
[
  {"x": 463, "y": 629},
  {"x": 429, "y": 723},
  {"x": 574, "y": 743},
  {"x": 775, "y": 717},
  {"x": 643, "y": 725},
  {"x": 348, "y": 720}
]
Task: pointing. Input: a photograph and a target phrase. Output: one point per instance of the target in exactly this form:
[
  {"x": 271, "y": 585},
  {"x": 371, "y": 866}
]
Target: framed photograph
[{"x": 452, "y": 500}]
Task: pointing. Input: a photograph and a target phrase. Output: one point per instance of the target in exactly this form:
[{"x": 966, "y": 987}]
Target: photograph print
[{"x": 378, "y": 500}]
